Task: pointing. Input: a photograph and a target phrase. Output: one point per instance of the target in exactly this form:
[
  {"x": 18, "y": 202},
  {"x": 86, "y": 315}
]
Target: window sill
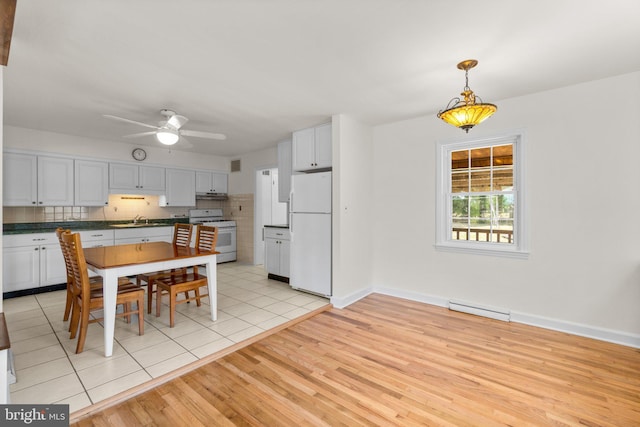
[{"x": 487, "y": 250}]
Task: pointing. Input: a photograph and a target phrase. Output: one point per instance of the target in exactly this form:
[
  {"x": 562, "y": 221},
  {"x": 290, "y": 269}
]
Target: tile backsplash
[{"x": 238, "y": 207}]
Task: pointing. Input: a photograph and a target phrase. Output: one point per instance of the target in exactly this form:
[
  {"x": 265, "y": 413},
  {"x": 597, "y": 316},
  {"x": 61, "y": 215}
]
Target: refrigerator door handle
[{"x": 290, "y": 223}]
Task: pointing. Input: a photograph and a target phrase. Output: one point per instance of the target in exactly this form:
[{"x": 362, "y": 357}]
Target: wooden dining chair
[
  {"x": 182, "y": 238},
  {"x": 87, "y": 299},
  {"x": 95, "y": 281},
  {"x": 206, "y": 239}
]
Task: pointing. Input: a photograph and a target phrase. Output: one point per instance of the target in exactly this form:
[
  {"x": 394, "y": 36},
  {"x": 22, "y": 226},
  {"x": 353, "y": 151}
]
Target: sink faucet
[{"x": 140, "y": 218}]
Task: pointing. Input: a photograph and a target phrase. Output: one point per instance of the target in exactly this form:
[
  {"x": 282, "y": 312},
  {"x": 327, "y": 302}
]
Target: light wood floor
[{"x": 389, "y": 361}]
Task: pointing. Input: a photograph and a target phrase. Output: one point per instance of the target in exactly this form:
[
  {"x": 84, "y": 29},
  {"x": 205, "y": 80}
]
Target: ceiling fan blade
[
  {"x": 177, "y": 121},
  {"x": 207, "y": 135},
  {"x": 137, "y": 135},
  {"x": 108, "y": 116},
  {"x": 184, "y": 142}
]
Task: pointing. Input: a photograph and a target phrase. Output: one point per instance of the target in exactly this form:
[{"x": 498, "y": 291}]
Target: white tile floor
[{"x": 49, "y": 371}]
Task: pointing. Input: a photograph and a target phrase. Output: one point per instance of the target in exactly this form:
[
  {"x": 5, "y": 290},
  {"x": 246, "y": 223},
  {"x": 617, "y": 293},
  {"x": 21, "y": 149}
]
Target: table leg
[
  {"x": 212, "y": 285},
  {"x": 110, "y": 293}
]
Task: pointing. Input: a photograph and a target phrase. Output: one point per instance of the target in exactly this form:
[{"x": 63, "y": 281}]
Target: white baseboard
[
  {"x": 602, "y": 334},
  {"x": 350, "y": 299}
]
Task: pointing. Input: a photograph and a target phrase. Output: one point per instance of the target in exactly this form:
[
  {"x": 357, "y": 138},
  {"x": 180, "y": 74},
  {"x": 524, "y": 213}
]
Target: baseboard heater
[{"x": 478, "y": 310}]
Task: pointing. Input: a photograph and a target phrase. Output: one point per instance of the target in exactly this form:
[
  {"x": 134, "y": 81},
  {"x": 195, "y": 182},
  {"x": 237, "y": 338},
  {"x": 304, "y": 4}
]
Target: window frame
[{"x": 444, "y": 241}]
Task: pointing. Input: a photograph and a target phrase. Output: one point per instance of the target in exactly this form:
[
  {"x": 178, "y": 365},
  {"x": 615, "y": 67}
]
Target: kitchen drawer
[
  {"x": 97, "y": 235},
  {"x": 276, "y": 233},
  {"x": 16, "y": 240}
]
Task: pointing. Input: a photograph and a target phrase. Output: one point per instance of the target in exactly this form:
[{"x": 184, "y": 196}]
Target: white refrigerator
[{"x": 310, "y": 227}]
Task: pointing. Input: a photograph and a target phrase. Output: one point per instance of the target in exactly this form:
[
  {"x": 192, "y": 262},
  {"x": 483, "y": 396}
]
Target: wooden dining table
[{"x": 112, "y": 262}]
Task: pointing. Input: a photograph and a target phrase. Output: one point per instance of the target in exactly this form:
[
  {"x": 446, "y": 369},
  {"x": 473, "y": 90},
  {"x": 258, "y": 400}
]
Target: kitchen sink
[{"x": 139, "y": 224}]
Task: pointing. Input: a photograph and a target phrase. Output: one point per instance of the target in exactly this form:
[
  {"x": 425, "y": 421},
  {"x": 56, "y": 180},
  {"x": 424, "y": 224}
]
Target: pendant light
[{"x": 466, "y": 113}]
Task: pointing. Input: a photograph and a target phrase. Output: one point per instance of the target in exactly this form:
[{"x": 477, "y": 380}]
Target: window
[{"x": 480, "y": 196}]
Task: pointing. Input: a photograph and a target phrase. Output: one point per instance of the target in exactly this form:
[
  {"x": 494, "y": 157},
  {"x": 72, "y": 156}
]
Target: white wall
[
  {"x": 582, "y": 174},
  {"x": 353, "y": 234},
  {"x": 34, "y": 140},
  {"x": 243, "y": 182}
]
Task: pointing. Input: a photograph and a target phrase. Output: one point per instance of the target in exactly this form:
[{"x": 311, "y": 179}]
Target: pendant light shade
[{"x": 465, "y": 113}]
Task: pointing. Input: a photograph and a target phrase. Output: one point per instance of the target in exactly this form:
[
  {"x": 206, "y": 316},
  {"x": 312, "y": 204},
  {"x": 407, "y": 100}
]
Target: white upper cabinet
[
  {"x": 55, "y": 181},
  {"x": 91, "y": 183},
  {"x": 130, "y": 178},
  {"x": 181, "y": 185},
  {"x": 20, "y": 183},
  {"x": 312, "y": 148},
  {"x": 211, "y": 182},
  {"x": 284, "y": 171},
  {"x": 37, "y": 180}
]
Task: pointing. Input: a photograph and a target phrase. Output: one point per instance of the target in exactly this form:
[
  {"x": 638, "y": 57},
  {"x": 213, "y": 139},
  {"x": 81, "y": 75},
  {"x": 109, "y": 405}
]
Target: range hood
[{"x": 211, "y": 196}]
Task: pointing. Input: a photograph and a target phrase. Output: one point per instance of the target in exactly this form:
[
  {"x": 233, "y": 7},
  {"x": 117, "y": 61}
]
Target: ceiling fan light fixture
[
  {"x": 465, "y": 113},
  {"x": 167, "y": 136}
]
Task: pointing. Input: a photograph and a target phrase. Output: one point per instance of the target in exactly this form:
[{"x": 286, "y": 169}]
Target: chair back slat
[
  {"x": 80, "y": 283},
  {"x": 67, "y": 262},
  {"x": 182, "y": 234},
  {"x": 206, "y": 238}
]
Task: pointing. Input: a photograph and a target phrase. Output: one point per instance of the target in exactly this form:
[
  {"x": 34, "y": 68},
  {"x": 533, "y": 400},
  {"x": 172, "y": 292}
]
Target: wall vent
[
  {"x": 235, "y": 165},
  {"x": 478, "y": 310}
]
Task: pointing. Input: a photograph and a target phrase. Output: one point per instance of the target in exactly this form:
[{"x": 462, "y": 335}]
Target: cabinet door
[
  {"x": 91, "y": 183},
  {"x": 323, "y": 146},
  {"x": 272, "y": 256},
  {"x": 52, "y": 268},
  {"x": 220, "y": 183},
  {"x": 20, "y": 183},
  {"x": 55, "y": 181},
  {"x": 284, "y": 171},
  {"x": 303, "y": 150},
  {"x": 152, "y": 178},
  {"x": 181, "y": 188},
  {"x": 21, "y": 268},
  {"x": 284, "y": 257},
  {"x": 123, "y": 176},
  {"x": 204, "y": 182}
]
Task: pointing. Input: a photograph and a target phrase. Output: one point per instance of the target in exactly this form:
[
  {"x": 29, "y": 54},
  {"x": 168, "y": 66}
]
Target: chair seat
[{"x": 177, "y": 284}]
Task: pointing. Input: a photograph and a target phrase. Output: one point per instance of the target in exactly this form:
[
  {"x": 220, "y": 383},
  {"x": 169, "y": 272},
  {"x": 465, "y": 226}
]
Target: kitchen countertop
[
  {"x": 50, "y": 227},
  {"x": 278, "y": 225}
]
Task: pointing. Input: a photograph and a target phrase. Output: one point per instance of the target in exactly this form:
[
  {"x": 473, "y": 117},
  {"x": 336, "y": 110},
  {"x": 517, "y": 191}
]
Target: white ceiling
[{"x": 256, "y": 70}]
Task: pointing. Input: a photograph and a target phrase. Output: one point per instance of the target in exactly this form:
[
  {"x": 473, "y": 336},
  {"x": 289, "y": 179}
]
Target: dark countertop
[
  {"x": 50, "y": 227},
  {"x": 278, "y": 225}
]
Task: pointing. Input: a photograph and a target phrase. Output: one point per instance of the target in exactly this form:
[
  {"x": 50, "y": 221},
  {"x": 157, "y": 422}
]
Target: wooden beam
[{"x": 7, "y": 15}]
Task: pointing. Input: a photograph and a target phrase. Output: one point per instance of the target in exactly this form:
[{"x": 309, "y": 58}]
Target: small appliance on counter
[{"x": 226, "y": 244}]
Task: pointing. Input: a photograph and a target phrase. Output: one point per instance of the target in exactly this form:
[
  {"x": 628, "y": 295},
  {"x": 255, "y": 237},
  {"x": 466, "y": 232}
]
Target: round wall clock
[{"x": 139, "y": 154}]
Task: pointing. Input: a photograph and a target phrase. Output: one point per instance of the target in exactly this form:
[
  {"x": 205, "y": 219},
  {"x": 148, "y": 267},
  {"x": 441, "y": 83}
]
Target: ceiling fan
[{"x": 169, "y": 131}]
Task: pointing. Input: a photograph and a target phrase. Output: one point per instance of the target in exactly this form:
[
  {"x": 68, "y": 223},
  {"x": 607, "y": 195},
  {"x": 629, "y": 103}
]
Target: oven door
[{"x": 226, "y": 240}]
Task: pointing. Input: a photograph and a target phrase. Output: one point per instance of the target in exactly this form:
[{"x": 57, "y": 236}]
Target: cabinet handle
[
  {"x": 36, "y": 249},
  {"x": 43, "y": 248},
  {"x": 96, "y": 235},
  {"x": 40, "y": 203},
  {"x": 33, "y": 203}
]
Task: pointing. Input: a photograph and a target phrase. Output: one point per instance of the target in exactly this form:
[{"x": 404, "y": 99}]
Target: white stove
[{"x": 226, "y": 244}]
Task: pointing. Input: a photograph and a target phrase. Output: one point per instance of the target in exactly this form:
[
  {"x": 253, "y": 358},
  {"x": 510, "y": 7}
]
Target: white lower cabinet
[
  {"x": 143, "y": 235},
  {"x": 31, "y": 261},
  {"x": 97, "y": 238},
  {"x": 277, "y": 244}
]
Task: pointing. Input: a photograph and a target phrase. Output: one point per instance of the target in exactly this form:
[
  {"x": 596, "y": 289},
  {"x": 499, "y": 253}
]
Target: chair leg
[
  {"x": 84, "y": 325},
  {"x": 75, "y": 319},
  {"x": 158, "y": 300},
  {"x": 197, "y": 292},
  {"x": 172, "y": 308},
  {"x": 141, "y": 314},
  {"x": 67, "y": 307},
  {"x": 149, "y": 295}
]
